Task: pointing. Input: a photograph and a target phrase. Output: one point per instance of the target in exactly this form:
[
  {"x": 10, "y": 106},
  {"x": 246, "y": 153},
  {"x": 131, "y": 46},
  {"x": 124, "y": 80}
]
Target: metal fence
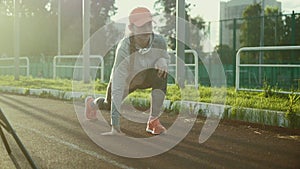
[
  {"x": 192, "y": 65},
  {"x": 279, "y": 30},
  {"x": 68, "y": 63},
  {"x": 7, "y": 65},
  {"x": 240, "y": 65}
]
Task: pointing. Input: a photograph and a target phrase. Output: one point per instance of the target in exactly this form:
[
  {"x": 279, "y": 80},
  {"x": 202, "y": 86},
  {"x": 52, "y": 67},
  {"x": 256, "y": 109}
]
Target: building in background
[{"x": 232, "y": 9}]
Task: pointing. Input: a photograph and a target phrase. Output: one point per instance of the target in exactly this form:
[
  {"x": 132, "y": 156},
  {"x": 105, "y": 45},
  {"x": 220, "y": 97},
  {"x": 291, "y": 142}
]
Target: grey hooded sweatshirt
[{"x": 124, "y": 68}]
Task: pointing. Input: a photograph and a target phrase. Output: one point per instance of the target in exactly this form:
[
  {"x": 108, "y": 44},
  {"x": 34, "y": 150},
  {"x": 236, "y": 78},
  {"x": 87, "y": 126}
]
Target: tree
[
  {"x": 101, "y": 11},
  {"x": 250, "y": 29},
  {"x": 278, "y": 30},
  {"x": 35, "y": 28},
  {"x": 71, "y": 27},
  {"x": 38, "y": 25},
  {"x": 225, "y": 53},
  {"x": 196, "y": 33},
  {"x": 273, "y": 27},
  {"x": 291, "y": 36},
  {"x": 291, "y": 33},
  {"x": 168, "y": 8},
  {"x": 6, "y": 28}
]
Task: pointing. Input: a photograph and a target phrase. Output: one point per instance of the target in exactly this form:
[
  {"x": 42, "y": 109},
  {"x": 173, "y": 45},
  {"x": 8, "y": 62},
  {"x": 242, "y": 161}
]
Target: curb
[{"x": 265, "y": 117}]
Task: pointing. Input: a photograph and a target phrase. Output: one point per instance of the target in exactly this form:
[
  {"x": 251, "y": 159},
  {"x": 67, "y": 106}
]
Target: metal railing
[
  {"x": 195, "y": 64},
  {"x": 56, "y": 64},
  {"x": 26, "y": 66},
  {"x": 265, "y": 48}
]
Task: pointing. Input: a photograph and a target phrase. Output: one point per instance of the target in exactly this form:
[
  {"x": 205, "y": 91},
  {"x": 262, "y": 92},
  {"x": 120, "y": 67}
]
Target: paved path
[{"x": 54, "y": 138}]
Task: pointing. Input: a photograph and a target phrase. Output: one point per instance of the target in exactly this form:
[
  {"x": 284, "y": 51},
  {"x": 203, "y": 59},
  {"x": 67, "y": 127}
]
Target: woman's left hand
[{"x": 162, "y": 67}]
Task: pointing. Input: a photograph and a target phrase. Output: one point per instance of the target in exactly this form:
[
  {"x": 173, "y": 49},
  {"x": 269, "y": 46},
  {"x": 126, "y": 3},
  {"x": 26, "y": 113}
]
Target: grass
[{"x": 275, "y": 101}]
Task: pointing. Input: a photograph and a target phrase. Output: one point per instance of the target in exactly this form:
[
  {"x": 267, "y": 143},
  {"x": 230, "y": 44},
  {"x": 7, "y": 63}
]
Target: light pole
[
  {"x": 86, "y": 43},
  {"x": 180, "y": 39},
  {"x": 59, "y": 27},
  {"x": 262, "y": 33},
  {"x": 16, "y": 39}
]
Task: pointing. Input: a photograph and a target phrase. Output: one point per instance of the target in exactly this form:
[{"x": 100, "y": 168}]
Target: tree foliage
[
  {"x": 39, "y": 25},
  {"x": 250, "y": 35},
  {"x": 193, "y": 26},
  {"x": 223, "y": 51},
  {"x": 278, "y": 30},
  {"x": 33, "y": 27},
  {"x": 101, "y": 11}
]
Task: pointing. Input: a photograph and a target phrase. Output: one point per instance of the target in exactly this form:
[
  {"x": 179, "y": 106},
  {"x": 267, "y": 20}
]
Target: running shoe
[
  {"x": 90, "y": 108},
  {"x": 155, "y": 127}
]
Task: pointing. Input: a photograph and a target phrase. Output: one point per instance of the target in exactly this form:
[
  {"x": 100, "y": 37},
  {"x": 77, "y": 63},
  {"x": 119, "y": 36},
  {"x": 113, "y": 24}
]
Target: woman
[{"x": 141, "y": 62}]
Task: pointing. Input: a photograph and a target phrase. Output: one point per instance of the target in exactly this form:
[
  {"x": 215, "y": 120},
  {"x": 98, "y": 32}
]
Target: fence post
[
  {"x": 234, "y": 48},
  {"x": 54, "y": 67},
  {"x": 17, "y": 39},
  {"x": 180, "y": 39},
  {"x": 293, "y": 42}
]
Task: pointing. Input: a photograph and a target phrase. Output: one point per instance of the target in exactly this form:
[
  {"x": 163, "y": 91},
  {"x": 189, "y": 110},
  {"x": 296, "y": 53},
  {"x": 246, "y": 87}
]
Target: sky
[{"x": 207, "y": 9}]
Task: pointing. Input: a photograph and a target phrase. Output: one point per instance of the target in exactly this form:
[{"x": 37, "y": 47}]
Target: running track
[{"x": 51, "y": 133}]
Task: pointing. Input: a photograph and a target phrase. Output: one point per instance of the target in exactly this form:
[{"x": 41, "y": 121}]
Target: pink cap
[{"x": 139, "y": 16}]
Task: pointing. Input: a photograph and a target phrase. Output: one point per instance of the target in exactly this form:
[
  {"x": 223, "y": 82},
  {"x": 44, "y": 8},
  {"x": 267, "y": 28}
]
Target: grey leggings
[{"x": 145, "y": 79}]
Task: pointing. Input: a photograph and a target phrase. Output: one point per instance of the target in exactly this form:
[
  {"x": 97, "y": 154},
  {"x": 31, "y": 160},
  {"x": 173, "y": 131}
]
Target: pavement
[{"x": 52, "y": 134}]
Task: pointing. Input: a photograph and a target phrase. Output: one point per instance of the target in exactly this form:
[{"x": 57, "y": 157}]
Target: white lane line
[{"x": 76, "y": 147}]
